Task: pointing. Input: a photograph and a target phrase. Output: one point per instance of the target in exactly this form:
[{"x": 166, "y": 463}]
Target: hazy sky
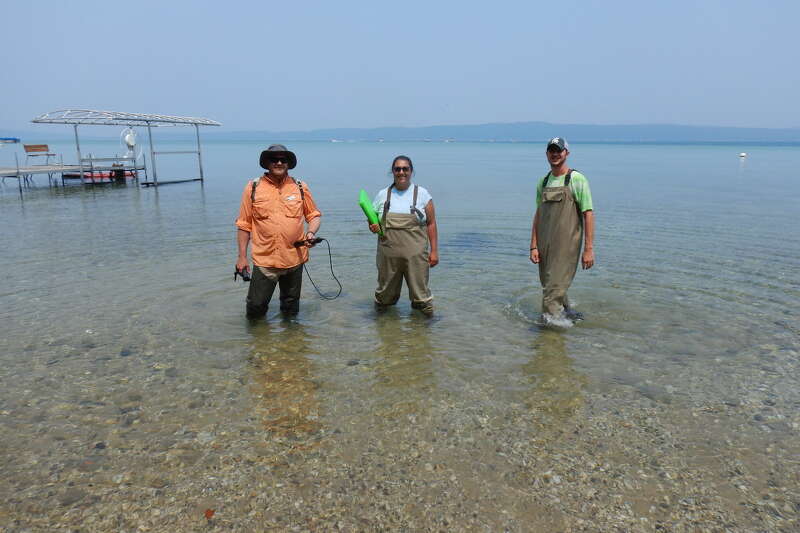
[{"x": 307, "y": 64}]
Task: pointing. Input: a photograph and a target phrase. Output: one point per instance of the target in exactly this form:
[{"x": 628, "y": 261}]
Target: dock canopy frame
[{"x": 77, "y": 117}]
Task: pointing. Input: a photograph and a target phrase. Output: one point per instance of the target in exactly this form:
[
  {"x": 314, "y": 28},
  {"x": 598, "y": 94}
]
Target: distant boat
[
  {"x": 743, "y": 154},
  {"x": 336, "y": 141}
]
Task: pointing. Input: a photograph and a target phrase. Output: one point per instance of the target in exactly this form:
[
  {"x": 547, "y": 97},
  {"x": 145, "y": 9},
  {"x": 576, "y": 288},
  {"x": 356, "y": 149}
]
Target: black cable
[{"x": 330, "y": 260}]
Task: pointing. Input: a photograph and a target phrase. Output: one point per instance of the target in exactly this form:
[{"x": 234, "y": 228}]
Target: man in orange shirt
[{"x": 271, "y": 221}]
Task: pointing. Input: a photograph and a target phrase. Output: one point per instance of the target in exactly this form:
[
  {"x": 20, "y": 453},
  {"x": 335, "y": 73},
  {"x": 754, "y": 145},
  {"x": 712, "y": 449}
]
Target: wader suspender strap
[
  {"x": 414, "y": 210},
  {"x": 387, "y": 203},
  {"x": 386, "y": 208},
  {"x": 566, "y": 184},
  {"x": 577, "y": 207},
  {"x": 258, "y": 180},
  {"x": 566, "y": 180}
]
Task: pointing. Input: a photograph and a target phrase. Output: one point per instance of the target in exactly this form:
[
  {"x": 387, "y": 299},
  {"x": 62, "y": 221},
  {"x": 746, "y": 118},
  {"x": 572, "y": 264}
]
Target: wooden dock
[
  {"x": 91, "y": 174},
  {"x": 25, "y": 172}
]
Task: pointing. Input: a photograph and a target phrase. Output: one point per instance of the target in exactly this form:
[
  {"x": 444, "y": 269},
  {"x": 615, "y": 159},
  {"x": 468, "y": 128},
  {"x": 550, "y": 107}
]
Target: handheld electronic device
[{"x": 244, "y": 273}]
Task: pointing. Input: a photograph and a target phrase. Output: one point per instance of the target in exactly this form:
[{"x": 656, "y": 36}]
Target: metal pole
[
  {"x": 144, "y": 166},
  {"x": 19, "y": 178},
  {"x": 80, "y": 160},
  {"x": 152, "y": 155},
  {"x": 199, "y": 156}
]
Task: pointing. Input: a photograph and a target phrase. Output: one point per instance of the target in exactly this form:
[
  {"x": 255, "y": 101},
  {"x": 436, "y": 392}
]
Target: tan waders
[
  {"x": 559, "y": 232},
  {"x": 403, "y": 254}
]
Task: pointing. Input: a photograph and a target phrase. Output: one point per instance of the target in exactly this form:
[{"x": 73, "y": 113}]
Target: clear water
[{"x": 122, "y": 324}]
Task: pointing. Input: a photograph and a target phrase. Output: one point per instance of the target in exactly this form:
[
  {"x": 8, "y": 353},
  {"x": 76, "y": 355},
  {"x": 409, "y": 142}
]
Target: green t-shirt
[{"x": 578, "y": 184}]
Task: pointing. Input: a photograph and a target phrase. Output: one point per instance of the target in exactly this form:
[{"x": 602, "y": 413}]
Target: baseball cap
[{"x": 558, "y": 141}]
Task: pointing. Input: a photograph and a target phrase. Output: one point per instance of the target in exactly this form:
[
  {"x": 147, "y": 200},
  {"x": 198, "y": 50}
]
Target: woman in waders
[{"x": 410, "y": 243}]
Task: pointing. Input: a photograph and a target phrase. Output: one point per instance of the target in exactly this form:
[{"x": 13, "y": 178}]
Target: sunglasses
[
  {"x": 273, "y": 160},
  {"x": 401, "y": 169}
]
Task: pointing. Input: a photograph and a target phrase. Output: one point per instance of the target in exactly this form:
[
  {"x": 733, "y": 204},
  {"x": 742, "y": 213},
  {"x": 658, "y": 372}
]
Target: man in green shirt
[{"x": 564, "y": 216}]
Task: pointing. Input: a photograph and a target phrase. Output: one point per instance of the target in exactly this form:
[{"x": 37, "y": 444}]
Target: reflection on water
[
  {"x": 283, "y": 382},
  {"x": 403, "y": 366},
  {"x": 124, "y": 345},
  {"x": 558, "y": 387}
]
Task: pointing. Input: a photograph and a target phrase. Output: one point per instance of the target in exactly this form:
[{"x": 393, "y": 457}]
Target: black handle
[{"x": 315, "y": 240}]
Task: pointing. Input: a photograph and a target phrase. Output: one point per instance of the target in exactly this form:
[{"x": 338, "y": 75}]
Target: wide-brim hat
[{"x": 277, "y": 150}]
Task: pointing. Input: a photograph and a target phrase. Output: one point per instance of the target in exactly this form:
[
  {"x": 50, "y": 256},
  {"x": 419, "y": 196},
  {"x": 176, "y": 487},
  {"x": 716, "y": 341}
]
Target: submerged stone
[{"x": 71, "y": 496}]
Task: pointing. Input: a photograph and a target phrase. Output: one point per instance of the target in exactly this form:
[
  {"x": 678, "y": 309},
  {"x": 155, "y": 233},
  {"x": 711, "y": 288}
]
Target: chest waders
[
  {"x": 403, "y": 254},
  {"x": 559, "y": 233}
]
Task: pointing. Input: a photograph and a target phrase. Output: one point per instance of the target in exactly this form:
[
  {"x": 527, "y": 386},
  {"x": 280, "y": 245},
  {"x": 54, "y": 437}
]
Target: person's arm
[
  {"x": 433, "y": 233},
  {"x": 535, "y": 238},
  {"x": 313, "y": 228},
  {"x": 588, "y": 239},
  {"x": 244, "y": 224},
  {"x": 535, "y": 257},
  {"x": 243, "y": 239},
  {"x": 312, "y": 215},
  {"x": 377, "y": 205}
]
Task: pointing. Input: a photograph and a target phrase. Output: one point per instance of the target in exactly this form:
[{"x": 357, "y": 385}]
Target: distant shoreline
[
  {"x": 519, "y": 132},
  {"x": 263, "y": 139}
]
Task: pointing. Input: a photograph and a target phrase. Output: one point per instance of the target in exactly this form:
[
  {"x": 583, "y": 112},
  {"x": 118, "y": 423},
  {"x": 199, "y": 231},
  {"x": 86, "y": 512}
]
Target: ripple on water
[{"x": 135, "y": 338}]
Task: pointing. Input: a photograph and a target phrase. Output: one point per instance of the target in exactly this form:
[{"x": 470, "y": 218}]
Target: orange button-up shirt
[{"x": 275, "y": 221}]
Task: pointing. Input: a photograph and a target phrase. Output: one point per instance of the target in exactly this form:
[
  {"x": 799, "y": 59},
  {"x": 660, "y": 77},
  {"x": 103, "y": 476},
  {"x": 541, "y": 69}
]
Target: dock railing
[{"x": 122, "y": 163}]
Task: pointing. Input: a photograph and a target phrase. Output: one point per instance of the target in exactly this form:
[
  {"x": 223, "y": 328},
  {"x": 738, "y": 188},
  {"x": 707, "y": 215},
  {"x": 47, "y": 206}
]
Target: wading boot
[{"x": 575, "y": 316}]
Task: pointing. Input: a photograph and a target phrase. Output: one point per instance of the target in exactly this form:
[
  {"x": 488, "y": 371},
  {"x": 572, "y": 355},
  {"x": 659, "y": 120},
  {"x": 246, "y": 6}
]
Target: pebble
[
  {"x": 600, "y": 467},
  {"x": 71, "y": 496}
]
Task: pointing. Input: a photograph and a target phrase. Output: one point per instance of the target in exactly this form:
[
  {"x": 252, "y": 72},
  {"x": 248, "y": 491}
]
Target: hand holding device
[
  {"x": 243, "y": 272},
  {"x": 308, "y": 242}
]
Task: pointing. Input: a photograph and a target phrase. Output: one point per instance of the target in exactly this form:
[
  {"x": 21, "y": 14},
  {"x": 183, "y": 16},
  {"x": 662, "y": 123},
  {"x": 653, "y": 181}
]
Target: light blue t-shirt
[{"x": 401, "y": 200}]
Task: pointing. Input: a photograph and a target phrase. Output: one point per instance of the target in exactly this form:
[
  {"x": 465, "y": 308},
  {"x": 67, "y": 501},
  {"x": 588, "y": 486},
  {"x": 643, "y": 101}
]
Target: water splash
[{"x": 560, "y": 321}]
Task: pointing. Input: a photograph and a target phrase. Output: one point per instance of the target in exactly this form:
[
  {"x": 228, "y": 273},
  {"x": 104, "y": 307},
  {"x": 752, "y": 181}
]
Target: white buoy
[{"x": 743, "y": 154}]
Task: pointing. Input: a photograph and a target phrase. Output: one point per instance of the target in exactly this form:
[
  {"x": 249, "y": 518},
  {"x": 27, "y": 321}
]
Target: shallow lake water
[{"x": 134, "y": 393}]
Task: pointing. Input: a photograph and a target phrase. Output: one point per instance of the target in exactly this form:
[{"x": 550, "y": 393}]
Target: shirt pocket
[
  {"x": 261, "y": 209},
  {"x": 552, "y": 196},
  {"x": 293, "y": 208}
]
